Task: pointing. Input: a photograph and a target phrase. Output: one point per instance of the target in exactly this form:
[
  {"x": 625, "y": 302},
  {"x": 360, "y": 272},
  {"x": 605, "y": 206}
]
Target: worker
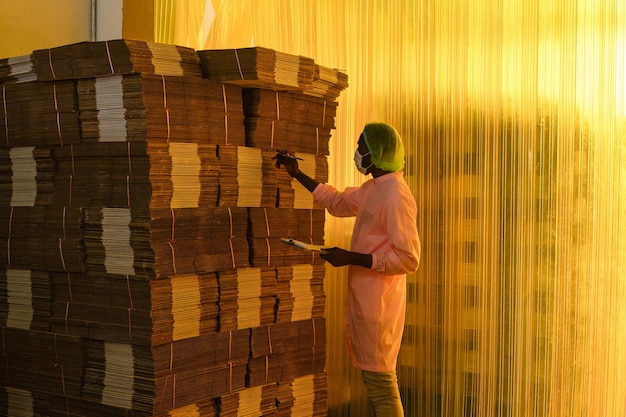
[{"x": 385, "y": 246}]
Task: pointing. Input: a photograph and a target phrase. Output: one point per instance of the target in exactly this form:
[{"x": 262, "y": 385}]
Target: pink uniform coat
[{"x": 385, "y": 227}]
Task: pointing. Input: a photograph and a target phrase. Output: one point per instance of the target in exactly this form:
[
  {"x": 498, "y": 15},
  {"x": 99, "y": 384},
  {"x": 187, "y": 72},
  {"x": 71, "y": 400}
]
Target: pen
[{"x": 285, "y": 153}]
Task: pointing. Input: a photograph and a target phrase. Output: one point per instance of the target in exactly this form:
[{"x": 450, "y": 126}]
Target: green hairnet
[{"x": 385, "y": 146}]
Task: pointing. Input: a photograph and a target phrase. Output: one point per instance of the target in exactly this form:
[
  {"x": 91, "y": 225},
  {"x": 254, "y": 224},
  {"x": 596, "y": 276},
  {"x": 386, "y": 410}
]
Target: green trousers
[{"x": 383, "y": 391}]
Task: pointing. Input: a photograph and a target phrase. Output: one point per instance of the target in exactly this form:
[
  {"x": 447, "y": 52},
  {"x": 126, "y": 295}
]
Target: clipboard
[{"x": 302, "y": 245}]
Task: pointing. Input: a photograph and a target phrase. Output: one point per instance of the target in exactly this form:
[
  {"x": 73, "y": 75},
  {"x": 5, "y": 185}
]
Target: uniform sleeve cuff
[{"x": 377, "y": 263}]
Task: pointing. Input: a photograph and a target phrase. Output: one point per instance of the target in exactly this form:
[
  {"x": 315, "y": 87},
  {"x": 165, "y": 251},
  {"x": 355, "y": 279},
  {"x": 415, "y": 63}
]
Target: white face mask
[{"x": 358, "y": 161}]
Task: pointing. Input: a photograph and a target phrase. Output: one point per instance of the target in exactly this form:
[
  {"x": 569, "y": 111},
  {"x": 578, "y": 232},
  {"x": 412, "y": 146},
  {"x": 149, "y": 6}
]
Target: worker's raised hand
[{"x": 289, "y": 161}]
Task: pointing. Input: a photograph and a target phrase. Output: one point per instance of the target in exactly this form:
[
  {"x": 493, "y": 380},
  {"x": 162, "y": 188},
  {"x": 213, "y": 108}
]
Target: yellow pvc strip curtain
[{"x": 514, "y": 120}]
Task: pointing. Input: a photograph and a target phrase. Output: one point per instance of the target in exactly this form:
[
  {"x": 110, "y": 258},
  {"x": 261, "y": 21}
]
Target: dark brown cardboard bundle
[
  {"x": 119, "y": 375},
  {"x": 291, "y": 106},
  {"x": 142, "y": 107},
  {"x": 53, "y": 233},
  {"x": 122, "y": 175},
  {"x": 63, "y": 406},
  {"x": 39, "y": 113},
  {"x": 162, "y": 242},
  {"x": 25, "y": 298},
  {"x": 269, "y": 225},
  {"x": 23, "y": 402},
  {"x": 18, "y": 69},
  {"x": 202, "y": 367},
  {"x": 119, "y": 56},
  {"x": 284, "y": 351},
  {"x": 41, "y": 361},
  {"x": 167, "y": 377},
  {"x": 117, "y": 309},
  {"x": 258, "y": 67},
  {"x": 286, "y": 135}
]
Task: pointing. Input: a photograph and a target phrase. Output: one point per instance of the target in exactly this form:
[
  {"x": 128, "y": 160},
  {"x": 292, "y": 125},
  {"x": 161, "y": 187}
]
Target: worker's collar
[{"x": 388, "y": 176}]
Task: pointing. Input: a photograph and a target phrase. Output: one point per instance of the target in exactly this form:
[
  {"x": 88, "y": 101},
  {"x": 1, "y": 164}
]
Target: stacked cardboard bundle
[
  {"x": 28, "y": 298},
  {"x": 252, "y": 402},
  {"x": 284, "y": 351},
  {"x": 41, "y": 361},
  {"x": 135, "y": 107},
  {"x": 120, "y": 56},
  {"x": 247, "y": 298},
  {"x": 288, "y": 120},
  {"x": 269, "y": 225},
  {"x": 128, "y": 376},
  {"x": 140, "y": 234},
  {"x": 162, "y": 242},
  {"x": 53, "y": 233},
  {"x": 39, "y": 113},
  {"x": 327, "y": 83},
  {"x": 247, "y": 177},
  {"x": 17, "y": 69},
  {"x": 258, "y": 67},
  {"x": 113, "y": 308},
  {"x": 309, "y": 395}
]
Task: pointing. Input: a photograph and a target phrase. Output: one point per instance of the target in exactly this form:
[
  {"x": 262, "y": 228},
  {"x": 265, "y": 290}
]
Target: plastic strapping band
[
  {"x": 56, "y": 352},
  {"x": 6, "y": 114},
  {"x": 267, "y": 224},
  {"x": 272, "y": 138},
  {"x": 174, "y": 391},
  {"x": 9, "y": 239},
  {"x": 277, "y": 107},
  {"x": 230, "y": 361},
  {"x": 171, "y": 357},
  {"x": 267, "y": 368},
  {"x": 130, "y": 294},
  {"x": 130, "y": 172},
  {"x": 167, "y": 111},
  {"x": 130, "y": 298},
  {"x": 56, "y": 109},
  {"x": 311, "y": 234},
  {"x": 317, "y": 140},
  {"x": 67, "y": 313},
  {"x": 106, "y": 44},
  {"x": 267, "y": 239},
  {"x": 168, "y": 375},
  {"x": 269, "y": 340},
  {"x": 54, "y": 77},
  {"x": 69, "y": 286},
  {"x": 130, "y": 326},
  {"x": 230, "y": 238},
  {"x": 238, "y": 64},
  {"x": 324, "y": 114},
  {"x": 61, "y": 239},
  {"x": 71, "y": 175},
  {"x": 225, "y": 114},
  {"x": 171, "y": 242}
]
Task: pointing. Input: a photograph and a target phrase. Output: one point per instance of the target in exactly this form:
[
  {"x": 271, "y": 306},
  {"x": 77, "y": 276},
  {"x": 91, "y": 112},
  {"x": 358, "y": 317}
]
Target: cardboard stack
[
  {"x": 294, "y": 113},
  {"x": 141, "y": 268}
]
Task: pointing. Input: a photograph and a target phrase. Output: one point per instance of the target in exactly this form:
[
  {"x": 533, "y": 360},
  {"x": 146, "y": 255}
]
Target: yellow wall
[
  {"x": 27, "y": 25},
  {"x": 138, "y": 20}
]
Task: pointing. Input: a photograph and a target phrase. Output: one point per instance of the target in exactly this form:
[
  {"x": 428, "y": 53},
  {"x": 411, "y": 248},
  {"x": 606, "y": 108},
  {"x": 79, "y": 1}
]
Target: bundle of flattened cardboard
[{"x": 141, "y": 267}]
